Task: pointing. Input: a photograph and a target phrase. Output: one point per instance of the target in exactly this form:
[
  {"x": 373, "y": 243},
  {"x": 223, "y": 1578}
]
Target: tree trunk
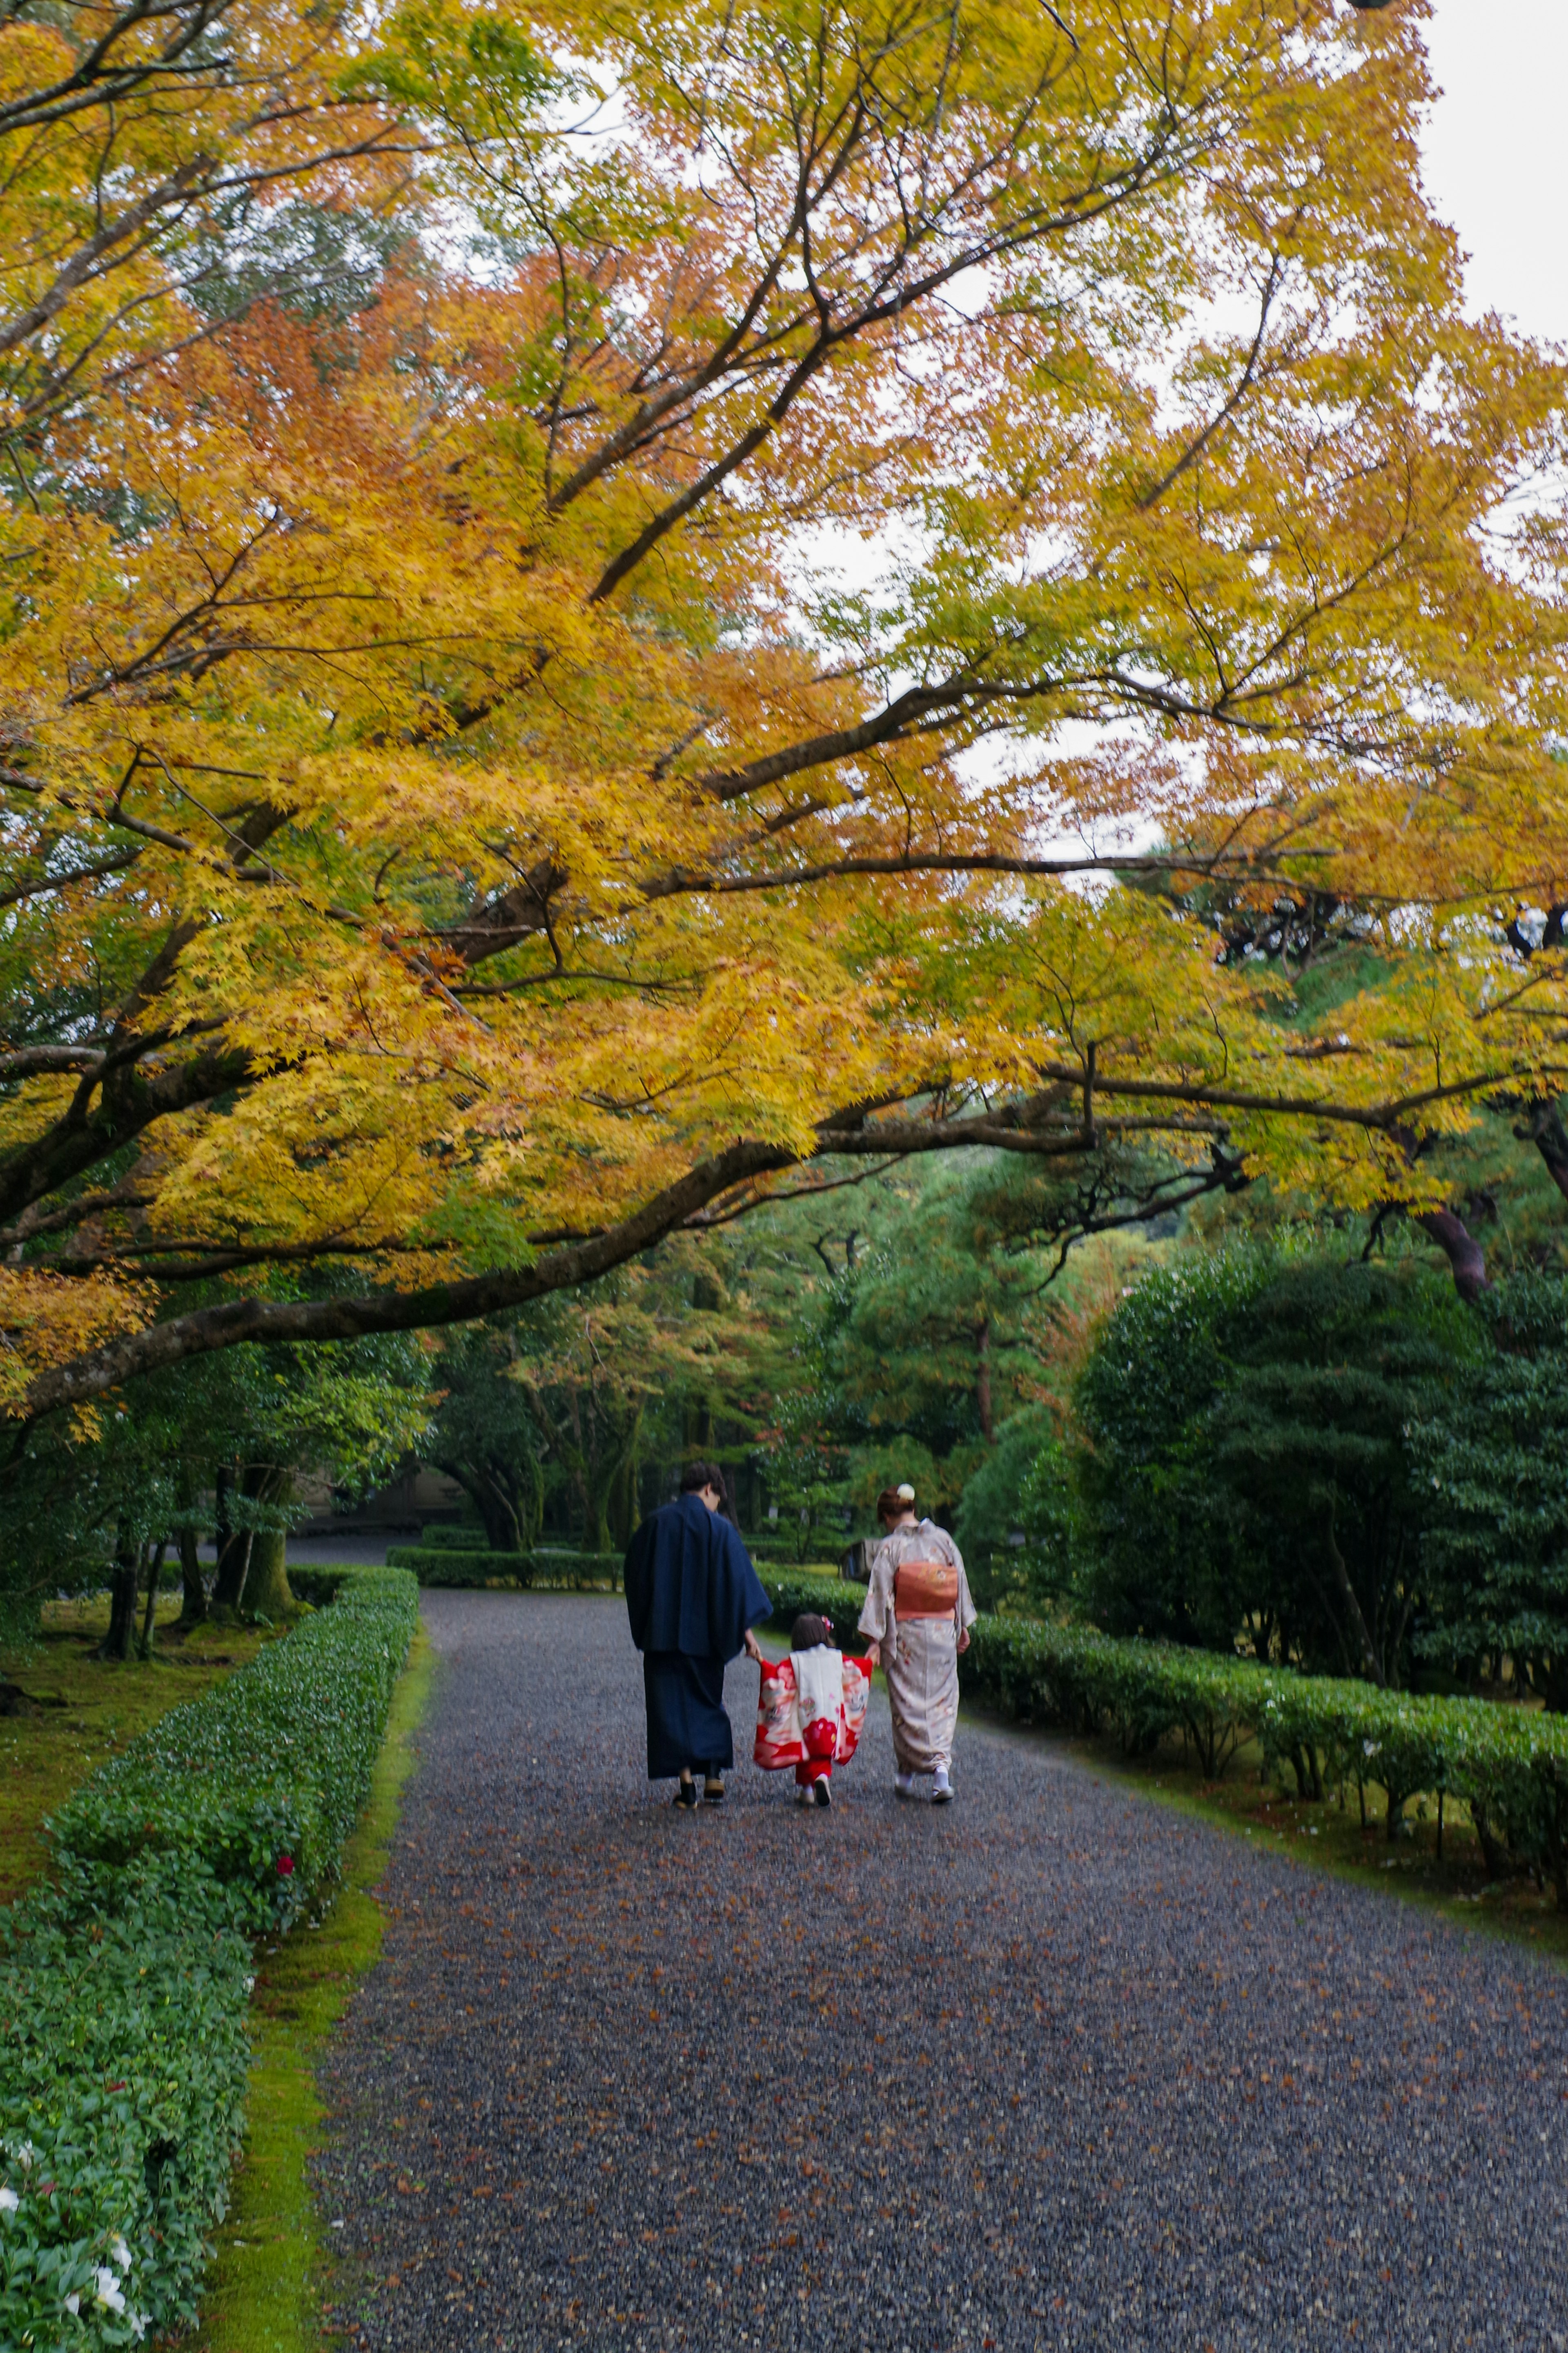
[
  {"x": 982, "y": 1382},
  {"x": 116, "y": 1644},
  {"x": 1464, "y": 1253},
  {"x": 233, "y": 1547},
  {"x": 1370, "y": 1659},
  {"x": 530, "y": 1502},
  {"x": 1547, "y": 1132},
  {"x": 149, "y": 1617},
  {"x": 194, "y": 1606},
  {"x": 621, "y": 1501},
  {"x": 233, "y": 1562},
  {"x": 498, "y": 1511},
  {"x": 267, "y": 1593},
  {"x": 1492, "y": 1847},
  {"x": 262, "y": 1483}
]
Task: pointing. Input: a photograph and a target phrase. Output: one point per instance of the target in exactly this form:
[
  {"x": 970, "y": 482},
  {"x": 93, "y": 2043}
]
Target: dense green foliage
[
  {"x": 123, "y": 1985},
  {"x": 1246, "y": 1467},
  {"x": 1022, "y": 1490},
  {"x": 122, "y": 2090},
  {"x": 484, "y": 1435},
  {"x": 234, "y": 1427},
  {"x": 1510, "y": 1764},
  {"x": 840, "y": 1601},
  {"x": 1494, "y": 1469},
  {"x": 545, "y": 1566}
]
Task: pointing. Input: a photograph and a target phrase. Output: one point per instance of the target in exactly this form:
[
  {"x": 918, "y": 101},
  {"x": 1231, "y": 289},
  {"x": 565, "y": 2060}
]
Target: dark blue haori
[{"x": 691, "y": 1593}]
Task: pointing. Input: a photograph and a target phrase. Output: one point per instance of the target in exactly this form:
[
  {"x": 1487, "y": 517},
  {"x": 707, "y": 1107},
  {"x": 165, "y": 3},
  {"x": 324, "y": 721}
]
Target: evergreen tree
[{"x": 1496, "y": 1546}]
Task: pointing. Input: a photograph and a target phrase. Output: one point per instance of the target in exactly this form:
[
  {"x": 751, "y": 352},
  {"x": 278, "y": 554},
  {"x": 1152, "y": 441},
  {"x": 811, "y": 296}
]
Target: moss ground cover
[
  {"x": 264, "y": 2294},
  {"x": 101, "y": 1709}
]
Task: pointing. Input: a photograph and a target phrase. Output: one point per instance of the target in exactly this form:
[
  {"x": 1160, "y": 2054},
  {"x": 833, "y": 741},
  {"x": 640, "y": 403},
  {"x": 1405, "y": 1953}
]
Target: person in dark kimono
[{"x": 692, "y": 1596}]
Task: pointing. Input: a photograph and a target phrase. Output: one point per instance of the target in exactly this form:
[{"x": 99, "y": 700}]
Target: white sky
[{"x": 1496, "y": 152}]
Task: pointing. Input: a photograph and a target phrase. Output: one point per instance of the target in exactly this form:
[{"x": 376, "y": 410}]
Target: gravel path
[{"x": 1056, "y": 2067}]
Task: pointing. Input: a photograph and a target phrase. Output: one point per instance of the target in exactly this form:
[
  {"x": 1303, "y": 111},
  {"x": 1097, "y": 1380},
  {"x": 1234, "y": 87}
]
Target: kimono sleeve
[
  {"x": 967, "y": 1612},
  {"x": 877, "y": 1615}
]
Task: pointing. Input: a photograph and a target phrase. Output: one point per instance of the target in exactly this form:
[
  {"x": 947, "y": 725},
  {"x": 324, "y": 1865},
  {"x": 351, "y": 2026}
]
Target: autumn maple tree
[{"x": 600, "y": 603}]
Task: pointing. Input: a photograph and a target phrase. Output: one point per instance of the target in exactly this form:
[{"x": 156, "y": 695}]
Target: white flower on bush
[
  {"x": 9, "y": 2201},
  {"x": 73, "y": 2305},
  {"x": 1369, "y": 1747},
  {"x": 120, "y": 2254},
  {"x": 106, "y": 2284}
]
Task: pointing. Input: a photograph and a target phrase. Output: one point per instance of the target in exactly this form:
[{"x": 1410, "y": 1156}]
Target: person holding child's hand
[
  {"x": 917, "y": 1615},
  {"x": 692, "y": 1596}
]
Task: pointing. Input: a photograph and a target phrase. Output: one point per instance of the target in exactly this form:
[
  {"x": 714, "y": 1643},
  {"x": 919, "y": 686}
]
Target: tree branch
[{"x": 246, "y": 1321}]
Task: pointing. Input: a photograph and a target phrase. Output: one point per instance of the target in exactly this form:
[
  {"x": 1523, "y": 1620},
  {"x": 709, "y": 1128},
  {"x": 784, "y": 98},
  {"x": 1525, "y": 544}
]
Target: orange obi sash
[{"x": 925, "y": 1589}]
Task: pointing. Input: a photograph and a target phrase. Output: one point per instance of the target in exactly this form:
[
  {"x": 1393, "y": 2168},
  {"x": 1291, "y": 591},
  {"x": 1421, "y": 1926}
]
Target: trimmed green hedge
[
  {"x": 1509, "y": 1765},
  {"x": 791, "y": 1591},
  {"x": 123, "y": 1985},
  {"x": 122, "y": 2070},
  {"x": 434, "y": 1564},
  {"x": 319, "y": 1586},
  {"x": 557, "y": 1565},
  {"x": 276, "y": 1761},
  {"x": 546, "y": 1566}
]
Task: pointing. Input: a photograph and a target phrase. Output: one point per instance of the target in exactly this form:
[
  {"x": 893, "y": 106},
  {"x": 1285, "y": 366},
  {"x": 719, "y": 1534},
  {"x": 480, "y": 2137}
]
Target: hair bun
[{"x": 906, "y": 1493}]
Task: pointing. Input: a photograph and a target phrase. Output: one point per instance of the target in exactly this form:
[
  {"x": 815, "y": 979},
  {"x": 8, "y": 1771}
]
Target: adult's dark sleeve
[
  {"x": 637, "y": 1580},
  {"x": 747, "y": 1603},
  {"x": 689, "y": 1584}
]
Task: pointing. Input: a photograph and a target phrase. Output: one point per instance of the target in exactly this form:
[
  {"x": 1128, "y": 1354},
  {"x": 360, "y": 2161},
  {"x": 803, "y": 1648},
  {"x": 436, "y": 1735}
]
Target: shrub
[
  {"x": 1247, "y": 1460},
  {"x": 275, "y": 1762},
  {"x": 546, "y": 1566},
  {"x": 122, "y": 2075},
  {"x": 791, "y": 1590},
  {"x": 319, "y": 1586},
  {"x": 557, "y": 1566},
  {"x": 1495, "y": 1550},
  {"x": 434, "y": 1564},
  {"x": 123, "y": 1986},
  {"x": 1510, "y": 1764}
]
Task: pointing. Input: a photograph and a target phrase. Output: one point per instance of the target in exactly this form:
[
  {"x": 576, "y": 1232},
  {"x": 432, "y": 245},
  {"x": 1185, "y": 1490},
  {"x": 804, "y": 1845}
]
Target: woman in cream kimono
[{"x": 917, "y": 1615}]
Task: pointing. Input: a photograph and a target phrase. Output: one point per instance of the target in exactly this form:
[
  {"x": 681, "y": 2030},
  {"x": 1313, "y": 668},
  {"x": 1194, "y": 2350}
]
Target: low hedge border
[
  {"x": 793, "y": 1590},
  {"x": 458, "y": 1558},
  {"x": 124, "y": 1982},
  {"x": 1509, "y": 1765},
  {"x": 543, "y": 1570}
]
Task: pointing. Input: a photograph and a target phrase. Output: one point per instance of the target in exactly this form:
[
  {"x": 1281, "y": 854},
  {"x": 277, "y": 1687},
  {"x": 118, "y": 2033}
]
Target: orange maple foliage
[{"x": 457, "y": 822}]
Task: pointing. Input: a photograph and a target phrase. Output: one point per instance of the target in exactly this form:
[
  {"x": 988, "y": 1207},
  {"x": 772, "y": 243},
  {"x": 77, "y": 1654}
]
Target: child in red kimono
[
  {"x": 810, "y": 1710},
  {"x": 819, "y": 1689}
]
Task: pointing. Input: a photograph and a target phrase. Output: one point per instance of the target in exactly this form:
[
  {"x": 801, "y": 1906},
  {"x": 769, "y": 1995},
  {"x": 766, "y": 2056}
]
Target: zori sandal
[
  {"x": 686, "y": 1795},
  {"x": 713, "y": 1790}
]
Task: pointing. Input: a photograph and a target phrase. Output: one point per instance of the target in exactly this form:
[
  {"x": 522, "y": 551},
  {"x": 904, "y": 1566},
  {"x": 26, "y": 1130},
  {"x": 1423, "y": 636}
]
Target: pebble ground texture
[{"x": 1053, "y": 2067}]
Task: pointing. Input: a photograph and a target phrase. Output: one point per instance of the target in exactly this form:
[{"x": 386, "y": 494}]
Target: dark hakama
[
  {"x": 691, "y": 1594},
  {"x": 687, "y": 1723}
]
